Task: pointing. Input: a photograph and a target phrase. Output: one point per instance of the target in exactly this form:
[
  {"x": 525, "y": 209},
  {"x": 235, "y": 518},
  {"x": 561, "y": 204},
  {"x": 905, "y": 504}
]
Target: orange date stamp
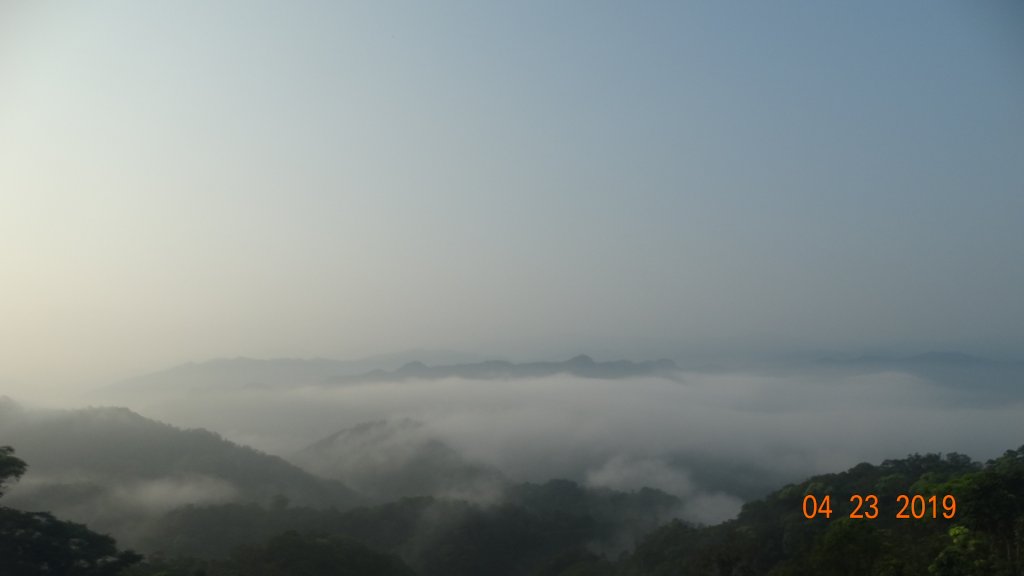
[{"x": 915, "y": 507}]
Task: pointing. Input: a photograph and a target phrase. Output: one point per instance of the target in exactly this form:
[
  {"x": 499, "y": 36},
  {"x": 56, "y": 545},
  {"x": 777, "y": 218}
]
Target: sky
[{"x": 183, "y": 180}]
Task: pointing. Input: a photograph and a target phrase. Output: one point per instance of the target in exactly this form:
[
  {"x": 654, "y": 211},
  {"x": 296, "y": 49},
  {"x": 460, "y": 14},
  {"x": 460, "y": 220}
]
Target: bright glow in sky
[{"x": 183, "y": 179}]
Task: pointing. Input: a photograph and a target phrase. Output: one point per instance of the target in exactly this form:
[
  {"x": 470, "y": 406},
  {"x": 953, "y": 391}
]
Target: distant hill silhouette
[
  {"x": 251, "y": 373},
  {"x": 581, "y": 366},
  {"x": 257, "y": 373},
  {"x": 386, "y": 460}
]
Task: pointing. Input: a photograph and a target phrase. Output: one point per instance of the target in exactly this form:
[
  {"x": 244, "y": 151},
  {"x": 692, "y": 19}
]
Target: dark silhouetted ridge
[{"x": 582, "y": 366}]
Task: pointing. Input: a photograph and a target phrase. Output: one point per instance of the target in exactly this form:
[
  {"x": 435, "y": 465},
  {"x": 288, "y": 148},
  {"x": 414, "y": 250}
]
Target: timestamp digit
[
  {"x": 906, "y": 504},
  {"x": 948, "y": 506},
  {"x": 872, "y": 501},
  {"x": 856, "y": 511},
  {"x": 913, "y": 506}
]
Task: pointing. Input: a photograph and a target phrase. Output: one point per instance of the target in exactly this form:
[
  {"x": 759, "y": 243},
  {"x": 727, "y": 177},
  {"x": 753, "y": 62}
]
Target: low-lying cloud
[{"x": 699, "y": 439}]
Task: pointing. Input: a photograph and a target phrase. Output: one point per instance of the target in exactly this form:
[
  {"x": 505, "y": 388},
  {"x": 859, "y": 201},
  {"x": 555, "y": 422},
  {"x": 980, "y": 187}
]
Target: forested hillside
[
  {"x": 37, "y": 543},
  {"x": 985, "y": 536},
  {"x": 559, "y": 530},
  {"x": 562, "y": 529},
  {"x": 531, "y": 526},
  {"x": 117, "y": 470}
]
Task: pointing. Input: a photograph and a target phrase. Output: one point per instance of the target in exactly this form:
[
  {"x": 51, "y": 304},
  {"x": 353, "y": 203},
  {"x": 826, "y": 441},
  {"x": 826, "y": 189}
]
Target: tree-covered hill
[
  {"x": 38, "y": 544},
  {"x": 561, "y": 529},
  {"x": 122, "y": 473},
  {"x": 116, "y": 470},
  {"x": 772, "y": 536},
  {"x": 387, "y": 460},
  {"x": 532, "y": 526}
]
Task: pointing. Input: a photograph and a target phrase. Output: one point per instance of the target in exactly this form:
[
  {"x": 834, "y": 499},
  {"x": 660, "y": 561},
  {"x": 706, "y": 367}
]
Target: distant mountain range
[
  {"x": 249, "y": 373},
  {"x": 952, "y": 368},
  {"x": 254, "y": 374},
  {"x": 582, "y": 366}
]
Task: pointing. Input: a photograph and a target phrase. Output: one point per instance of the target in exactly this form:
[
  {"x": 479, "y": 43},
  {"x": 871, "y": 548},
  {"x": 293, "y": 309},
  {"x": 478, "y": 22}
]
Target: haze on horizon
[{"x": 181, "y": 181}]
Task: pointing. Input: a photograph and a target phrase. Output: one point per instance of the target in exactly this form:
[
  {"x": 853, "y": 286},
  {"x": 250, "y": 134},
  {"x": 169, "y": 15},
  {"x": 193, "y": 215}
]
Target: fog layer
[{"x": 712, "y": 439}]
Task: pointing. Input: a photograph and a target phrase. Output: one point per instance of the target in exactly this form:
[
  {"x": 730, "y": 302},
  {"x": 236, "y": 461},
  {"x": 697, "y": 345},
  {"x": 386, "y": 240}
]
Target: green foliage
[
  {"x": 847, "y": 548},
  {"x": 537, "y": 527},
  {"x": 158, "y": 565},
  {"x": 292, "y": 554},
  {"x": 116, "y": 445},
  {"x": 36, "y": 543},
  {"x": 11, "y": 468},
  {"x": 578, "y": 562},
  {"x": 992, "y": 508},
  {"x": 771, "y": 536},
  {"x": 287, "y": 554},
  {"x": 967, "y": 554},
  {"x": 562, "y": 529}
]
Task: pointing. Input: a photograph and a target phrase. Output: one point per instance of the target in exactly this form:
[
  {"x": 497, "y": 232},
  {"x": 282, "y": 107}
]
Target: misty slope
[
  {"x": 531, "y": 526},
  {"x": 281, "y": 406},
  {"x": 561, "y": 529},
  {"x": 111, "y": 467},
  {"x": 582, "y": 366},
  {"x": 387, "y": 460}
]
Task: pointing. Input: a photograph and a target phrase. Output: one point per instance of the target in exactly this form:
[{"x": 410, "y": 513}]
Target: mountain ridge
[
  {"x": 112, "y": 467},
  {"x": 581, "y": 366}
]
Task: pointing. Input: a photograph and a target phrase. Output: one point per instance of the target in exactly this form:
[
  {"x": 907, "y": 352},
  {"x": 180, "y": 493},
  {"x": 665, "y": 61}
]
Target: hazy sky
[{"x": 188, "y": 179}]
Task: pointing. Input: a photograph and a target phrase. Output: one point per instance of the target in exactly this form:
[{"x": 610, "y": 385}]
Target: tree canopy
[
  {"x": 11, "y": 467},
  {"x": 36, "y": 543}
]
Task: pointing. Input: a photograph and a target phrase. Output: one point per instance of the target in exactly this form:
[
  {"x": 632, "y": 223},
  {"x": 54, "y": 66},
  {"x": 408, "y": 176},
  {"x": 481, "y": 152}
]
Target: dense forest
[{"x": 560, "y": 529}]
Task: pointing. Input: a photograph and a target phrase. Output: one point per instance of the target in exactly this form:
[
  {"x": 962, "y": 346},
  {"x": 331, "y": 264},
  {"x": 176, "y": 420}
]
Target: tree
[
  {"x": 11, "y": 468},
  {"x": 36, "y": 543},
  {"x": 992, "y": 504},
  {"x": 292, "y": 554}
]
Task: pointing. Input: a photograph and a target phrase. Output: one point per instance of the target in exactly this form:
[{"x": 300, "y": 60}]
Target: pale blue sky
[{"x": 188, "y": 179}]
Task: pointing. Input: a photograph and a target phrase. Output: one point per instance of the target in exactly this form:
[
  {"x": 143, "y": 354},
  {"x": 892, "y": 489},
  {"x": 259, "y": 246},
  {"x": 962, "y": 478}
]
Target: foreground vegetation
[{"x": 562, "y": 529}]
